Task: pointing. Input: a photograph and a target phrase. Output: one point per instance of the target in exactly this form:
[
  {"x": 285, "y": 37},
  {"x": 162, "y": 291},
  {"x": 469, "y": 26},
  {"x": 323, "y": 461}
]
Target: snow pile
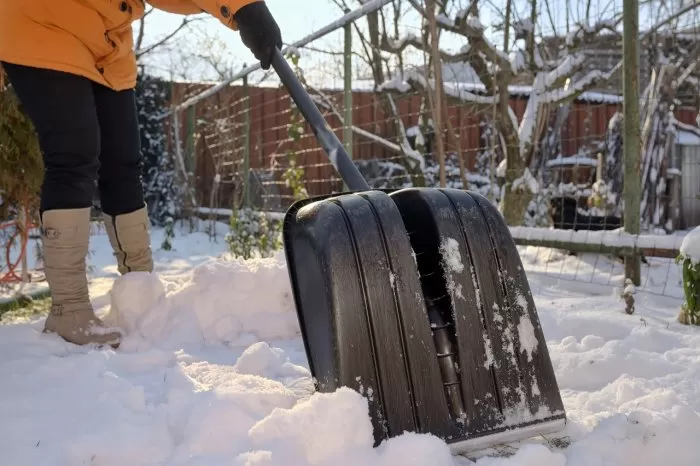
[
  {"x": 266, "y": 361},
  {"x": 213, "y": 372},
  {"x": 334, "y": 429},
  {"x": 690, "y": 247},
  {"x": 235, "y": 303}
]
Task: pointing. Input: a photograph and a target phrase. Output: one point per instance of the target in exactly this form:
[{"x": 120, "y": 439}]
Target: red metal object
[{"x": 9, "y": 270}]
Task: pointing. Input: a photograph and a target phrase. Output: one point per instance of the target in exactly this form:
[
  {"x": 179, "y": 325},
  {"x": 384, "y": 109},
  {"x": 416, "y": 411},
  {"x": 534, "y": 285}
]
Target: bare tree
[
  {"x": 142, "y": 49},
  {"x": 557, "y": 80},
  {"x": 677, "y": 67},
  {"x": 671, "y": 73},
  {"x": 380, "y": 24}
]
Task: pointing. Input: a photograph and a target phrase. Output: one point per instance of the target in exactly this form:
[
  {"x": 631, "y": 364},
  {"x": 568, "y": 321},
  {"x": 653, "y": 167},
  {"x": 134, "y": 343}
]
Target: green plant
[
  {"x": 167, "y": 243},
  {"x": 690, "y": 309},
  {"x": 293, "y": 176},
  {"x": 253, "y": 234},
  {"x": 21, "y": 164},
  {"x": 689, "y": 257}
]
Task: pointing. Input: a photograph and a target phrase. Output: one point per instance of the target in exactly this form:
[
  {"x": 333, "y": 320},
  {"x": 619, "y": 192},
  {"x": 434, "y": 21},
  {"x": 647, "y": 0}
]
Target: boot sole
[{"x": 114, "y": 345}]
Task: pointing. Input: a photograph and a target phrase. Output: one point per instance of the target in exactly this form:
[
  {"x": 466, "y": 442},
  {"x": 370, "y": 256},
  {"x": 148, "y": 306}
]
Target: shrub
[
  {"x": 690, "y": 258},
  {"x": 253, "y": 234},
  {"x": 21, "y": 164}
]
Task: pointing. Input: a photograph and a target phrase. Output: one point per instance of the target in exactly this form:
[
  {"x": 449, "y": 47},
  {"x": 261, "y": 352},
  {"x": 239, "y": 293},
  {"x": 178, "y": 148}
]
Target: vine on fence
[
  {"x": 253, "y": 233},
  {"x": 293, "y": 176}
]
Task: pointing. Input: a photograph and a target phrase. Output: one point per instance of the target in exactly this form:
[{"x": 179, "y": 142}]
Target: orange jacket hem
[{"x": 91, "y": 74}]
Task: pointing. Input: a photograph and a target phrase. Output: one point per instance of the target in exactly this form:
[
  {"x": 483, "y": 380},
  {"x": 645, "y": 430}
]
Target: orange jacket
[{"x": 91, "y": 38}]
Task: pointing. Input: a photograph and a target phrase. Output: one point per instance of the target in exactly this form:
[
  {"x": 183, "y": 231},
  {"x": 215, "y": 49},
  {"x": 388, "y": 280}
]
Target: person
[{"x": 73, "y": 68}]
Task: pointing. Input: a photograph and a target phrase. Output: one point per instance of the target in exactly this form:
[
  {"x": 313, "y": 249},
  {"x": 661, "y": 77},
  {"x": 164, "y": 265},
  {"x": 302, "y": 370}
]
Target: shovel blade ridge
[{"x": 417, "y": 299}]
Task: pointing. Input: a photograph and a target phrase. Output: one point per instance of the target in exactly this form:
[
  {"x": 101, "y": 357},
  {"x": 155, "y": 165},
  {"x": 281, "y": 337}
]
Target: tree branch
[
  {"x": 673, "y": 17},
  {"x": 593, "y": 78},
  {"x": 186, "y": 21},
  {"x": 410, "y": 40},
  {"x": 325, "y": 102},
  {"x": 142, "y": 28},
  {"x": 414, "y": 80},
  {"x": 584, "y": 33},
  {"x": 470, "y": 27}
]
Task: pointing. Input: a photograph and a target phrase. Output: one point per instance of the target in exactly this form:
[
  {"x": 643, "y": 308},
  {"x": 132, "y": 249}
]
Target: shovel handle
[{"x": 326, "y": 137}]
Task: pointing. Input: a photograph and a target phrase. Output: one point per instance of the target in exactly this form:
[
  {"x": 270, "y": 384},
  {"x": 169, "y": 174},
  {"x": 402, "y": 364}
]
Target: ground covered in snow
[{"x": 213, "y": 372}]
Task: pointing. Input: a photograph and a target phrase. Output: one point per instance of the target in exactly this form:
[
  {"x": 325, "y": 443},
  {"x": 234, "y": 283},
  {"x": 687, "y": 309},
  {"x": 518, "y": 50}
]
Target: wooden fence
[{"x": 219, "y": 121}]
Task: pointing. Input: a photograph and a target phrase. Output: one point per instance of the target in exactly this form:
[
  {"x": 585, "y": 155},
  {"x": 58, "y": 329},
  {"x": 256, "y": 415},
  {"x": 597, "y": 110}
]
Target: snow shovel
[{"x": 417, "y": 299}]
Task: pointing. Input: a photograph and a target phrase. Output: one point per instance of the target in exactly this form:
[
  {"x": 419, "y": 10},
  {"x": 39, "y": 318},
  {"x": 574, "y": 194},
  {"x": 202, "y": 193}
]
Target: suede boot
[
  {"x": 65, "y": 240},
  {"x": 130, "y": 238}
]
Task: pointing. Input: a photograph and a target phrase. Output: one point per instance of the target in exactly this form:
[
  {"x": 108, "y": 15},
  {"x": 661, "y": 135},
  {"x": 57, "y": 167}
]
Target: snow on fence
[
  {"x": 598, "y": 258},
  {"x": 582, "y": 257},
  {"x": 616, "y": 242}
]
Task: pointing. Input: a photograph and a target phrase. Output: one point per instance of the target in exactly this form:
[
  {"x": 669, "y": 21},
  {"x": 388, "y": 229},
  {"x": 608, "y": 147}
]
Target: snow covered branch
[
  {"x": 570, "y": 92},
  {"x": 416, "y": 80},
  {"x": 686, "y": 127},
  {"x": 411, "y": 40},
  {"x": 470, "y": 27},
  {"x": 325, "y": 102},
  {"x": 584, "y": 33}
]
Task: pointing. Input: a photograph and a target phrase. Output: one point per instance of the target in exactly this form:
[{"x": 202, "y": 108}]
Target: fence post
[
  {"x": 246, "y": 142},
  {"x": 189, "y": 152},
  {"x": 631, "y": 131},
  {"x": 347, "y": 55}
]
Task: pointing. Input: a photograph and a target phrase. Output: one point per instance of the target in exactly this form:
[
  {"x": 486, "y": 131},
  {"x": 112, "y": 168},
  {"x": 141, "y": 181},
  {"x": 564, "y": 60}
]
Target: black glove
[{"x": 259, "y": 31}]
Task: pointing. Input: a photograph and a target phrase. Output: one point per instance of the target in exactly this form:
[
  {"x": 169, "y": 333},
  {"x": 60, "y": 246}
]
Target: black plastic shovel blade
[{"x": 417, "y": 299}]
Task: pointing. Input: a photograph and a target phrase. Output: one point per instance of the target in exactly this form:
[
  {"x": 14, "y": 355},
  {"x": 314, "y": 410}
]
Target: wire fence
[
  {"x": 557, "y": 134},
  {"x": 373, "y": 76}
]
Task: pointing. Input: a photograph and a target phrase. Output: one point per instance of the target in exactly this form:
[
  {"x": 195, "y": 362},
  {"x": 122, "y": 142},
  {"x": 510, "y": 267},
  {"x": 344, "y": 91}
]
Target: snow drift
[{"x": 213, "y": 372}]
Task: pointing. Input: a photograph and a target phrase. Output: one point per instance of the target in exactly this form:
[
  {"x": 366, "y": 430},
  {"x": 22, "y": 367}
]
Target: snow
[
  {"x": 395, "y": 84},
  {"x": 213, "y": 372},
  {"x": 443, "y": 20},
  {"x": 474, "y": 22},
  {"x": 526, "y": 129},
  {"x": 560, "y": 161},
  {"x": 449, "y": 249},
  {"x": 615, "y": 238},
  {"x": 528, "y": 181},
  {"x": 519, "y": 61},
  {"x": 404, "y": 83},
  {"x": 401, "y": 43},
  {"x": 564, "y": 69},
  {"x": 367, "y": 85},
  {"x": 690, "y": 247},
  {"x": 451, "y": 264},
  {"x": 223, "y": 212},
  {"x": 687, "y": 138}
]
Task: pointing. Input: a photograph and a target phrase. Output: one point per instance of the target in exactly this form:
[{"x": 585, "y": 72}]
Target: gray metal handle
[{"x": 329, "y": 141}]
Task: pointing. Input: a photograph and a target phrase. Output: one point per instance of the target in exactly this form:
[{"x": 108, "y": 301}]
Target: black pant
[{"x": 89, "y": 137}]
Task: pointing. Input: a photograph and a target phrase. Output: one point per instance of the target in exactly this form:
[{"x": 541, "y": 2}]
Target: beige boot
[
  {"x": 130, "y": 239},
  {"x": 65, "y": 240}
]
